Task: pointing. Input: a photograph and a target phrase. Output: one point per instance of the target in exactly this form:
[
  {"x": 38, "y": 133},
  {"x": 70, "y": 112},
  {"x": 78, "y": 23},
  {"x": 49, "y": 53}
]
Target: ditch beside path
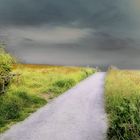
[{"x": 78, "y": 114}]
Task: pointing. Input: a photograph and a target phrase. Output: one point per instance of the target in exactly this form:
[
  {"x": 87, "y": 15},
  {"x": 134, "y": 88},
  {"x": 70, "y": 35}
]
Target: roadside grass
[
  {"x": 123, "y": 104},
  {"x": 34, "y": 87}
]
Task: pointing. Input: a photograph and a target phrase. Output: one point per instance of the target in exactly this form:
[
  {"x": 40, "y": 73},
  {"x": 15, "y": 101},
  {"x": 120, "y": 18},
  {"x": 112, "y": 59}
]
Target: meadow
[
  {"x": 122, "y": 96},
  {"x": 34, "y": 86}
]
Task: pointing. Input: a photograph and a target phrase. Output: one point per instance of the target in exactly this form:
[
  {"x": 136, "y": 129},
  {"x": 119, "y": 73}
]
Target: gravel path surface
[{"x": 78, "y": 114}]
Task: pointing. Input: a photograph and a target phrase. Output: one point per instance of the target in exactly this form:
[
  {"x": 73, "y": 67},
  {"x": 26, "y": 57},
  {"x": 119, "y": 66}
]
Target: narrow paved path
[{"x": 76, "y": 115}]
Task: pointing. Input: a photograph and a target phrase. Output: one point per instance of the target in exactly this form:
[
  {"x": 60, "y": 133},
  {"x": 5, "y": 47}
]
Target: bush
[{"x": 6, "y": 62}]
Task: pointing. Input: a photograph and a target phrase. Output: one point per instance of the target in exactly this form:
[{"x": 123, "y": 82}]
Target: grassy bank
[
  {"x": 123, "y": 104},
  {"x": 33, "y": 86}
]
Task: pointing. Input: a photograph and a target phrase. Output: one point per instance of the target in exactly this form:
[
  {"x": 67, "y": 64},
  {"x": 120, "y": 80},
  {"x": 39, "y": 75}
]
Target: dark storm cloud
[
  {"x": 90, "y": 12},
  {"x": 107, "y": 42},
  {"x": 72, "y": 32},
  {"x": 28, "y": 12}
]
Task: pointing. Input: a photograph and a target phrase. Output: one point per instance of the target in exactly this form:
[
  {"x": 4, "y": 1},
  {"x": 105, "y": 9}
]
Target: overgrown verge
[
  {"x": 34, "y": 87},
  {"x": 123, "y": 104}
]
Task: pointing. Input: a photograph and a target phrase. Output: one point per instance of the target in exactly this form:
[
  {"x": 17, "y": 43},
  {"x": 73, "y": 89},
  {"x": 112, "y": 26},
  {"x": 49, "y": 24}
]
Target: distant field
[
  {"x": 123, "y": 104},
  {"x": 33, "y": 87}
]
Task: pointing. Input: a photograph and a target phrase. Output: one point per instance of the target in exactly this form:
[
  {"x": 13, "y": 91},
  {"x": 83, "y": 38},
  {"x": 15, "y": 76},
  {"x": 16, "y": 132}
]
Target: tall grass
[
  {"x": 49, "y": 80},
  {"x": 34, "y": 86},
  {"x": 123, "y": 104}
]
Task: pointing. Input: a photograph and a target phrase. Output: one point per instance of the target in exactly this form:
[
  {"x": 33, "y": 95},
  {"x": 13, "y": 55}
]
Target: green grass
[
  {"x": 34, "y": 86},
  {"x": 123, "y": 104}
]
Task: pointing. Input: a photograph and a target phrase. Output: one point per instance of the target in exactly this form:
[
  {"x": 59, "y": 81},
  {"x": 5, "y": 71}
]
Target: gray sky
[{"x": 72, "y": 32}]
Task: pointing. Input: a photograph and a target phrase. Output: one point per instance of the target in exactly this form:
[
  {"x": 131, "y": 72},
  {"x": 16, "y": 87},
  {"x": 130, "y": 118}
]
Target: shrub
[{"x": 6, "y": 62}]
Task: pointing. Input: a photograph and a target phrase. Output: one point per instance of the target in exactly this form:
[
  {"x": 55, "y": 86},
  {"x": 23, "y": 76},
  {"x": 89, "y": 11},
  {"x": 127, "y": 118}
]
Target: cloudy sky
[{"x": 72, "y": 32}]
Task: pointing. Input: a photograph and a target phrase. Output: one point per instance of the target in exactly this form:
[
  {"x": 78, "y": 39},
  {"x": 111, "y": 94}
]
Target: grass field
[
  {"x": 33, "y": 87},
  {"x": 123, "y": 104}
]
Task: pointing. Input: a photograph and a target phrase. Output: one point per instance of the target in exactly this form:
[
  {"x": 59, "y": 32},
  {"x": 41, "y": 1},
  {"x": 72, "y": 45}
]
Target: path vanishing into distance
[{"x": 78, "y": 114}]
